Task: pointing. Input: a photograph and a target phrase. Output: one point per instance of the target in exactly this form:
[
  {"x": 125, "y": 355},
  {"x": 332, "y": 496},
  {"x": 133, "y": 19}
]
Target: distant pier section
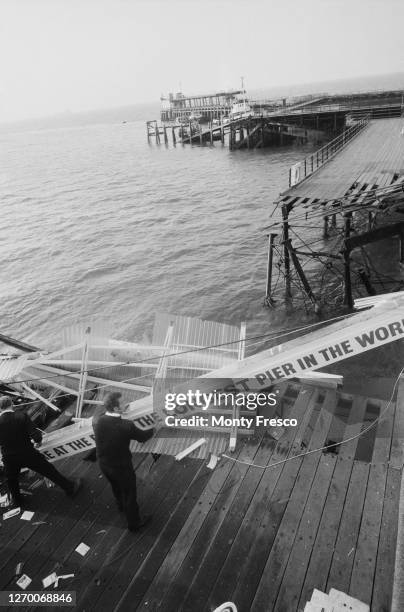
[
  {"x": 245, "y": 123},
  {"x": 325, "y": 239}
]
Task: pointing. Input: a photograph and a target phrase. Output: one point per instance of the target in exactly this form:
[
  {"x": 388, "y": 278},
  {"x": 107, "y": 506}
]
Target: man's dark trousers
[
  {"x": 35, "y": 461},
  {"x": 122, "y": 479}
]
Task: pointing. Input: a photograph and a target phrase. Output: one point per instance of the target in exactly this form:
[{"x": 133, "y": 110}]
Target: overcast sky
[{"x": 58, "y": 55}]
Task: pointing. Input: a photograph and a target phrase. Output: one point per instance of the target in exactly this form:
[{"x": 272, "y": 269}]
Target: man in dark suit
[
  {"x": 17, "y": 432},
  {"x": 113, "y": 435}
]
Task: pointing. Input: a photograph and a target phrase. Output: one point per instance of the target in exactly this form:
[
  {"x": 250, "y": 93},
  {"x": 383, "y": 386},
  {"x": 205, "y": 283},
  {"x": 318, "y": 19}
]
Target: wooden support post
[
  {"x": 200, "y": 135},
  {"x": 348, "y": 300},
  {"x": 190, "y": 132},
  {"x": 286, "y": 255},
  {"x": 370, "y": 220},
  {"x": 222, "y": 133},
  {"x": 173, "y": 134},
  {"x": 401, "y": 236},
  {"x": 211, "y": 133},
  {"x": 366, "y": 281},
  {"x": 302, "y": 275},
  {"x": 148, "y": 132},
  {"x": 334, "y": 220},
  {"x": 325, "y": 227},
  {"x": 157, "y": 130},
  {"x": 268, "y": 297},
  {"x": 165, "y": 135},
  {"x": 248, "y": 136}
]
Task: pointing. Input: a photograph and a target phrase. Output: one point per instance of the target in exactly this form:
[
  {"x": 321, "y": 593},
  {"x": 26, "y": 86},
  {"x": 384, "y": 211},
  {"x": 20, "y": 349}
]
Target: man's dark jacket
[
  {"x": 16, "y": 434},
  {"x": 112, "y": 438}
]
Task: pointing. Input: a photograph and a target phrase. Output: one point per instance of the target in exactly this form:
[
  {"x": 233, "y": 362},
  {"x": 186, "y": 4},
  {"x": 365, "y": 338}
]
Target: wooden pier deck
[
  {"x": 263, "y": 538},
  {"x": 343, "y": 197},
  {"x": 375, "y": 156}
]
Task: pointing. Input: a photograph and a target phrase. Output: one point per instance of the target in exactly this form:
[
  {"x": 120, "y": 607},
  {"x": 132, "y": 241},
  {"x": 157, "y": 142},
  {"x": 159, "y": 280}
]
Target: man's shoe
[
  {"x": 145, "y": 520},
  {"x": 77, "y": 484}
]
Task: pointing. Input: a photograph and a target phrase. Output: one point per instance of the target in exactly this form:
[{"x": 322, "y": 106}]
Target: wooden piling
[
  {"x": 286, "y": 254},
  {"x": 401, "y": 237},
  {"x": 173, "y": 135},
  {"x": 271, "y": 239},
  {"x": 348, "y": 299},
  {"x": 301, "y": 274},
  {"x": 325, "y": 227}
]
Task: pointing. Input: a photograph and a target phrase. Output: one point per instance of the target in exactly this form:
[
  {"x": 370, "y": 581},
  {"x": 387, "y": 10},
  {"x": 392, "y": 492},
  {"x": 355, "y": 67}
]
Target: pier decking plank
[
  {"x": 281, "y": 480},
  {"x": 321, "y": 556},
  {"x": 378, "y": 149},
  {"x": 343, "y": 557},
  {"x": 262, "y": 538},
  {"x": 384, "y": 574},
  {"x": 272, "y": 574}
]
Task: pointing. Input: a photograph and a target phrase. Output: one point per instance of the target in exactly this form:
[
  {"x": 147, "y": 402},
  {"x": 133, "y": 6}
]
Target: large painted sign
[{"x": 355, "y": 335}]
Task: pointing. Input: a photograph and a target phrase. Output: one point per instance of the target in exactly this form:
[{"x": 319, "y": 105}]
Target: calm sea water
[{"x": 95, "y": 222}]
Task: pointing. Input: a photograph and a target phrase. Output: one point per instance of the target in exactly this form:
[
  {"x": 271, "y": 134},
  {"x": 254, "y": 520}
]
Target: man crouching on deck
[
  {"x": 16, "y": 434},
  {"x": 113, "y": 435}
]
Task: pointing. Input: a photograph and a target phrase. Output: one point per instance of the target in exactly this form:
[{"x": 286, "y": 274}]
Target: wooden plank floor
[
  {"x": 378, "y": 149},
  {"x": 263, "y": 536}
]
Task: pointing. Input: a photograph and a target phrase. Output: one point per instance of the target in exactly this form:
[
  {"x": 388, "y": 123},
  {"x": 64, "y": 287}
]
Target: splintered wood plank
[
  {"x": 321, "y": 557},
  {"x": 344, "y": 552},
  {"x": 277, "y": 560},
  {"x": 384, "y": 574},
  {"x": 397, "y": 445},
  {"x": 363, "y": 570},
  {"x": 293, "y": 578},
  {"x": 112, "y": 578},
  {"x": 218, "y": 552}
]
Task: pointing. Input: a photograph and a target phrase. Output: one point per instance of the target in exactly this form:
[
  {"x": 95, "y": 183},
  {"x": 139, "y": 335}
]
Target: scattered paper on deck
[
  {"x": 212, "y": 462},
  {"x": 82, "y": 549},
  {"x": 24, "y": 581},
  {"x": 11, "y": 513},
  {"x": 190, "y": 449},
  {"x": 27, "y": 515},
  {"x": 46, "y": 582}
]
